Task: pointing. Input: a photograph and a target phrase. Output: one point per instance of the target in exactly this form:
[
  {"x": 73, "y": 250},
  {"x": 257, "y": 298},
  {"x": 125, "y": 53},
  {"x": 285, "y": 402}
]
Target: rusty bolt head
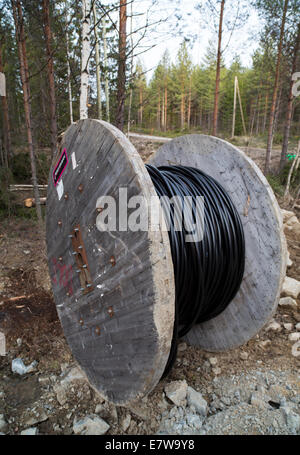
[
  {"x": 110, "y": 311},
  {"x": 81, "y": 321},
  {"x": 80, "y": 188},
  {"x": 66, "y": 196},
  {"x": 60, "y": 259},
  {"x": 59, "y": 223},
  {"x": 97, "y": 330},
  {"x": 112, "y": 261}
]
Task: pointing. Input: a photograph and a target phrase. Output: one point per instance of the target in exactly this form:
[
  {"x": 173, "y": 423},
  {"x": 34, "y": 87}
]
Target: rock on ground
[
  {"x": 288, "y": 302},
  {"x": 29, "y": 432},
  {"x": 90, "y": 425},
  {"x": 196, "y": 400},
  {"x": 176, "y": 392},
  {"x": 291, "y": 287},
  {"x": 3, "y": 423}
]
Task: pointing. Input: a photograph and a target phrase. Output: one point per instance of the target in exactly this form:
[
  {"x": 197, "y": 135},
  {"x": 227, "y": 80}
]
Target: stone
[
  {"x": 288, "y": 302},
  {"x": 126, "y": 422},
  {"x": 182, "y": 347},
  {"x": 73, "y": 376},
  {"x": 196, "y": 400},
  {"x": 292, "y": 419},
  {"x": 289, "y": 262},
  {"x": 90, "y": 425},
  {"x": 265, "y": 343},
  {"x": 244, "y": 355},
  {"x": 99, "y": 408},
  {"x": 29, "y": 432},
  {"x": 298, "y": 326},
  {"x": 286, "y": 215},
  {"x": 3, "y": 423},
  {"x": 296, "y": 349},
  {"x": 288, "y": 327},
  {"x": 294, "y": 336},
  {"x": 2, "y": 345},
  {"x": 273, "y": 325},
  {"x": 258, "y": 400},
  {"x": 19, "y": 342},
  {"x": 176, "y": 392},
  {"x": 291, "y": 287},
  {"x": 34, "y": 416},
  {"x": 216, "y": 371},
  {"x": 213, "y": 361},
  {"x": 18, "y": 366}
]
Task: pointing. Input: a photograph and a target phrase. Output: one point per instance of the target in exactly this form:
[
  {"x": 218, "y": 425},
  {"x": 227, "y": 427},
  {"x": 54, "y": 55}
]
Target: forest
[{"x": 67, "y": 60}]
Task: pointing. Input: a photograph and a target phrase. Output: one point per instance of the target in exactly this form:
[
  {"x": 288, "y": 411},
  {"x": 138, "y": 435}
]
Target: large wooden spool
[{"x": 114, "y": 291}]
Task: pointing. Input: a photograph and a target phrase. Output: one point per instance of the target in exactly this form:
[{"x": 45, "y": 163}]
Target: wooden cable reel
[{"x": 115, "y": 291}]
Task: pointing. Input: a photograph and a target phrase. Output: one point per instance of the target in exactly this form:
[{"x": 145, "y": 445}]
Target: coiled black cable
[{"x": 209, "y": 271}]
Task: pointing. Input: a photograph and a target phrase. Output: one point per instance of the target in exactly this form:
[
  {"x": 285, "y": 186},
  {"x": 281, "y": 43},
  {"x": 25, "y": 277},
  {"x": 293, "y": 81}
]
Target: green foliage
[
  {"x": 5, "y": 197},
  {"x": 277, "y": 138},
  {"x": 21, "y": 170},
  {"x": 278, "y": 182}
]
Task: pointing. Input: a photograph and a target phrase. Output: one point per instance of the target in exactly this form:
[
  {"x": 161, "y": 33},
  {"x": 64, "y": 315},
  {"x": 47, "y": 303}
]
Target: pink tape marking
[{"x": 62, "y": 171}]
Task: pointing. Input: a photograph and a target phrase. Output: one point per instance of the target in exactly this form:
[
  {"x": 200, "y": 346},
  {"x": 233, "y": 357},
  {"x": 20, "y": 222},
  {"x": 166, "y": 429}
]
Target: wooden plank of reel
[{"x": 115, "y": 291}]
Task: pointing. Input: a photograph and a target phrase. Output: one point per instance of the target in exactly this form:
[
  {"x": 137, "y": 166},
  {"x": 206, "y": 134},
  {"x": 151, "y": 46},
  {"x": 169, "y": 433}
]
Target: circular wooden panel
[
  {"x": 114, "y": 291},
  {"x": 265, "y": 265}
]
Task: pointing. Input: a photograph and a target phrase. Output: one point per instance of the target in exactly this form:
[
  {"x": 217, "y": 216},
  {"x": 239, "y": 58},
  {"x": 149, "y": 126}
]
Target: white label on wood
[
  {"x": 74, "y": 163},
  {"x": 2, "y": 85},
  {"x": 60, "y": 189}
]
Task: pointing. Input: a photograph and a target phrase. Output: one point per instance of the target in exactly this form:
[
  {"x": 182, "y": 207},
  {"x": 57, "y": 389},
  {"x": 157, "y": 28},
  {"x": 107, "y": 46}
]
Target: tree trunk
[
  {"x": 122, "y": 66},
  {"x": 6, "y": 122},
  {"x": 217, "y": 90},
  {"x": 140, "y": 112},
  {"x": 258, "y": 109},
  {"x": 158, "y": 113},
  {"x": 68, "y": 67},
  {"x": 105, "y": 70},
  {"x": 98, "y": 75},
  {"x": 85, "y": 58},
  {"x": 166, "y": 107},
  {"x": 131, "y": 71},
  {"x": 275, "y": 90},
  {"x": 289, "y": 110},
  {"x": 189, "y": 106},
  {"x": 50, "y": 70},
  {"x": 234, "y": 107},
  {"x": 20, "y": 37},
  {"x": 266, "y": 113}
]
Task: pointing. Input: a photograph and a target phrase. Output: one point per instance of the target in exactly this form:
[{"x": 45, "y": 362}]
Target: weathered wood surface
[
  {"x": 265, "y": 266},
  {"x": 120, "y": 332}
]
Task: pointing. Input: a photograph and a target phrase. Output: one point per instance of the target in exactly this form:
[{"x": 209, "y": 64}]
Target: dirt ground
[{"x": 33, "y": 332}]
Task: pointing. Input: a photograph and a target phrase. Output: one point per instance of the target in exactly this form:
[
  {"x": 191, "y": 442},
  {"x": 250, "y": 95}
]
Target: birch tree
[
  {"x": 85, "y": 58},
  {"x": 98, "y": 73},
  {"x": 105, "y": 70},
  {"x": 68, "y": 65}
]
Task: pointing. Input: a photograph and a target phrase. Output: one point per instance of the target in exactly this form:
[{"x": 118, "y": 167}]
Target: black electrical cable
[{"x": 208, "y": 271}]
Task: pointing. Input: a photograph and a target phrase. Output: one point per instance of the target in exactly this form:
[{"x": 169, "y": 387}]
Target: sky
[{"x": 199, "y": 26}]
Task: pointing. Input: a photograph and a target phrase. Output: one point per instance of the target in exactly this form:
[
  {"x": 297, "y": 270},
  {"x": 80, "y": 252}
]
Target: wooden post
[
  {"x": 241, "y": 108},
  {"x": 234, "y": 107}
]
